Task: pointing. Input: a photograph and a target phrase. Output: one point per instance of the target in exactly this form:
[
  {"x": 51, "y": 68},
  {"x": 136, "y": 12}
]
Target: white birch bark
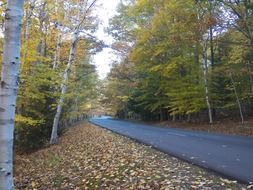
[
  {"x": 43, "y": 26},
  {"x": 59, "y": 42},
  {"x": 8, "y": 89},
  {"x": 54, "y": 134},
  {"x": 250, "y": 74},
  {"x": 205, "y": 72},
  {"x": 27, "y": 30},
  {"x": 77, "y": 29},
  {"x": 58, "y": 50},
  {"x": 204, "y": 40},
  {"x": 237, "y": 98}
]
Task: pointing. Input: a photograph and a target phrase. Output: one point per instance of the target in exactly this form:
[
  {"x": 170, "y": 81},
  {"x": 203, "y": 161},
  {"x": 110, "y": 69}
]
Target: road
[{"x": 231, "y": 156}]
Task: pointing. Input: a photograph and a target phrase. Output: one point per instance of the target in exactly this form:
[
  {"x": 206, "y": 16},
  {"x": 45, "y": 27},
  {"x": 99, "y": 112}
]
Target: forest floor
[
  {"x": 228, "y": 126},
  {"x": 89, "y": 157}
]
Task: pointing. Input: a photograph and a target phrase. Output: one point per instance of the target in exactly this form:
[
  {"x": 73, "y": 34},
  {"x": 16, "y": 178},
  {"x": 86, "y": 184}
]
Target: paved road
[{"x": 231, "y": 156}]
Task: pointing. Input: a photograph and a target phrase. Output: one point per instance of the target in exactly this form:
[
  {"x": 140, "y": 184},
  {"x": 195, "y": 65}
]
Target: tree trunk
[
  {"x": 54, "y": 135},
  {"x": 43, "y": 22},
  {"x": 250, "y": 75},
  {"x": 57, "y": 51},
  {"x": 59, "y": 42},
  {"x": 211, "y": 46},
  {"x": 27, "y": 32},
  {"x": 237, "y": 98},
  {"x": 174, "y": 117},
  {"x": 188, "y": 117},
  {"x": 205, "y": 71},
  {"x": 161, "y": 113},
  {"x": 8, "y": 89}
]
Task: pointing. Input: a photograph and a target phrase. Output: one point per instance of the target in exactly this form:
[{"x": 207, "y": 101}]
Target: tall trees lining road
[
  {"x": 190, "y": 60},
  {"x": 181, "y": 60},
  {"x": 50, "y": 62},
  {"x": 82, "y": 13}
]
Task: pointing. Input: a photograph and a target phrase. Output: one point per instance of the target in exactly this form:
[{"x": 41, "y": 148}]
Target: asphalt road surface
[{"x": 231, "y": 156}]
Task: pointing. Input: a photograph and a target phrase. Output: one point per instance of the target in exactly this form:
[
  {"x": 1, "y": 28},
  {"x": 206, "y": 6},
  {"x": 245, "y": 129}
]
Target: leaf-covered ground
[
  {"x": 228, "y": 126},
  {"x": 88, "y": 157}
]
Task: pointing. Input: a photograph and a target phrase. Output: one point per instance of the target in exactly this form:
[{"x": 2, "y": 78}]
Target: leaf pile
[{"x": 88, "y": 157}]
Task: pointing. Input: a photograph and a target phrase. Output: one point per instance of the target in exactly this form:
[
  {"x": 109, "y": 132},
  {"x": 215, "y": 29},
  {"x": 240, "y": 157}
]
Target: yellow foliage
[{"x": 27, "y": 120}]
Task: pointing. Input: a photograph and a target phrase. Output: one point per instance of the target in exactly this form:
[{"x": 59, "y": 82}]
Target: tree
[
  {"x": 38, "y": 81},
  {"x": 238, "y": 16},
  {"x": 82, "y": 95},
  {"x": 8, "y": 89},
  {"x": 81, "y": 18},
  {"x": 181, "y": 54}
]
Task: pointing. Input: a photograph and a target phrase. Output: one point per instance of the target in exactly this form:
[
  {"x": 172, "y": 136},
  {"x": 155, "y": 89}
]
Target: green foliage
[
  {"x": 82, "y": 95},
  {"x": 35, "y": 106},
  {"x": 167, "y": 55}
]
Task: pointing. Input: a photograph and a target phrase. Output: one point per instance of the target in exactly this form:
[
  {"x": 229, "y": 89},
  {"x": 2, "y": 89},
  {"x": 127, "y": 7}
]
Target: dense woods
[
  {"x": 57, "y": 83},
  {"x": 182, "y": 60}
]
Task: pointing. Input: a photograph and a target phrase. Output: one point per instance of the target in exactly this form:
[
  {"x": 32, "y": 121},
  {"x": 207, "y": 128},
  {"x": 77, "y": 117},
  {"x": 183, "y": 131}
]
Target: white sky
[{"x": 104, "y": 59}]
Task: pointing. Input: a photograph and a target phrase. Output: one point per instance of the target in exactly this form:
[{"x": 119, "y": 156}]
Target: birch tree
[
  {"x": 63, "y": 89},
  {"x": 28, "y": 23},
  {"x": 57, "y": 50},
  {"x": 205, "y": 77},
  {"x": 237, "y": 98},
  {"x": 8, "y": 89},
  {"x": 77, "y": 29},
  {"x": 205, "y": 35},
  {"x": 60, "y": 34}
]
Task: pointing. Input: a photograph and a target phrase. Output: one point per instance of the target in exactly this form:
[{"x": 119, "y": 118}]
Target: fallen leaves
[{"x": 88, "y": 157}]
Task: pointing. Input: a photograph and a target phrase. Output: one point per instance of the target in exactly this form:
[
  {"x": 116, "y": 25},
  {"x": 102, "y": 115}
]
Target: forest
[
  {"x": 182, "y": 60},
  {"x": 189, "y": 61},
  {"x": 56, "y": 48}
]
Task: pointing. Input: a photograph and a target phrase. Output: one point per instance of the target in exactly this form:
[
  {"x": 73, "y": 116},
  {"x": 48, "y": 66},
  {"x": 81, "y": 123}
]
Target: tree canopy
[{"x": 186, "y": 58}]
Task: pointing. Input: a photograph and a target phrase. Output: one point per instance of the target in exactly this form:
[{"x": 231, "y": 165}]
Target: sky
[{"x": 103, "y": 60}]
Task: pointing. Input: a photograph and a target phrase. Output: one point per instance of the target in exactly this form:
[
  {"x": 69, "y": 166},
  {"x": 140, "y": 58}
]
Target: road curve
[{"x": 231, "y": 156}]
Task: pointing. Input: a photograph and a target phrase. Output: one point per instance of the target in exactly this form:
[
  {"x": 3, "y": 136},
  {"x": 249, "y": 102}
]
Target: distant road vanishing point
[{"x": 231, "y": 156}]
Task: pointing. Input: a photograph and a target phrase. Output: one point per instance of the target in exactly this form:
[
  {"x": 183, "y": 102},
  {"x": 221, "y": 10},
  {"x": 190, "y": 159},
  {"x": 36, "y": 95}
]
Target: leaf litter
[{"x": 89, "y": 157}]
